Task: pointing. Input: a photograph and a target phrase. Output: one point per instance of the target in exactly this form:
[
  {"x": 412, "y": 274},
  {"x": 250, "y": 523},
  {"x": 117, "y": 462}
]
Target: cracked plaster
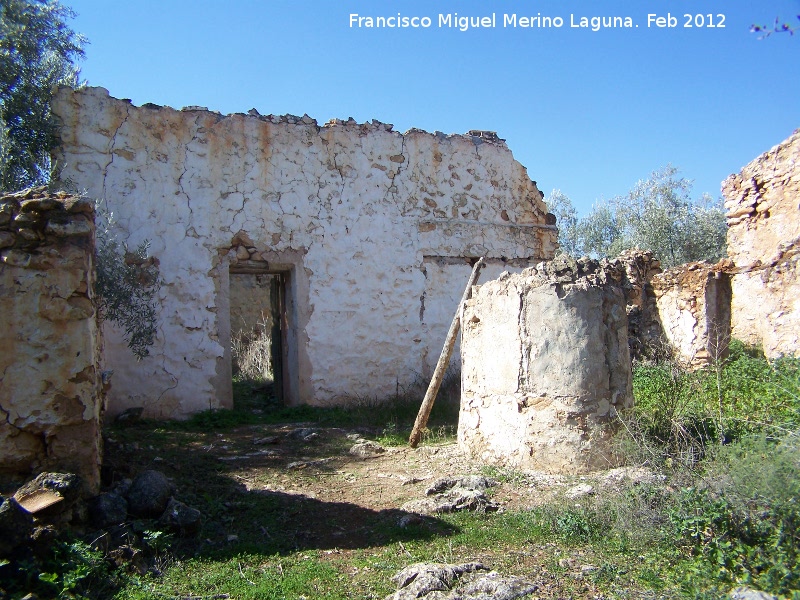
[
  {"x": 349, "y": 210},
  {"x": 50, "y": 393},
  {"x": 545, "y": 367}
]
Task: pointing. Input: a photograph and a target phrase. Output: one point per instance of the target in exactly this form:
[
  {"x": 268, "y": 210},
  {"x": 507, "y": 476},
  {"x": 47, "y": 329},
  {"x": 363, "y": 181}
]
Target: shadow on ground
[{"x": 214, "y": 472}]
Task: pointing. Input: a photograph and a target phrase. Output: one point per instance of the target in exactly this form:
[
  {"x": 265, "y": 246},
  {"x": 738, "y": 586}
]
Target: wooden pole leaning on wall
[{"x": 444, "y": 359}]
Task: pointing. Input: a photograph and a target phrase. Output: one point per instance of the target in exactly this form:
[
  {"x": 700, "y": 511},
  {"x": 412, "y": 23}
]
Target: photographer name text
[{"x": 464, "y": 23}]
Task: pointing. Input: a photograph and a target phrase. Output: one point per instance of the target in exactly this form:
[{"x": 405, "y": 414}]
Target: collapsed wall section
[
  {"x": 638, "y": 267},
  {"x": 763, "y": 204},
  {"x": 545, "y": 367},
  {"x": 350, "y": 214},
  {"x": 694, "y": 306},
  {"x": 50, "y": 384}
]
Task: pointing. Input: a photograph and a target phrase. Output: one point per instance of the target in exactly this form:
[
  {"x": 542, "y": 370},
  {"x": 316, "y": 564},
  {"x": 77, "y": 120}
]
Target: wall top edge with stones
[{"x": 476, "y": 136}]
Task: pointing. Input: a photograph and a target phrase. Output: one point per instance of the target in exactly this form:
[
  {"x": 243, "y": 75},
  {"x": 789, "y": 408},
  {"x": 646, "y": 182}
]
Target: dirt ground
[{"x": 296, "y": 485}]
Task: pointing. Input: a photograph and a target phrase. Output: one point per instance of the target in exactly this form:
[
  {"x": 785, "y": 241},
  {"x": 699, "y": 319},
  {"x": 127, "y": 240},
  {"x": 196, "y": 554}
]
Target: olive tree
[
  {"x": 559, "y": 204},
  {"x": 38, "y": 51},
  {"x": 658, "y": 214},
  {"x": 127, "y": 285}
]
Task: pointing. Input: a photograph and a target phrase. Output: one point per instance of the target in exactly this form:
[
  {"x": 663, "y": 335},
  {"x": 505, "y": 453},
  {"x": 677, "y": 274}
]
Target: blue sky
[{"x": 589, "y": 112}]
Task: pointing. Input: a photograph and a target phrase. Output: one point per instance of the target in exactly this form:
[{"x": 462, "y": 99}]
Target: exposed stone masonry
[
  {"x": 644, "y": 328},
  {"x": 50, "y": 385},
  {"x": 763, "y": 204},
  {"x": 694, "y": 306}
]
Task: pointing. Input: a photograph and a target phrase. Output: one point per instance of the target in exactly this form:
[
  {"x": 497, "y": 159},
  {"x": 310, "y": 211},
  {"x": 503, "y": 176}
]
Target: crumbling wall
[
  {"x": 694, "y": 306},
  {"x": 763, "y": 204},
  {"x": 644, "y": 328},
  {"x": 50, "y": 388},
  {"x": 352, "y": 213},
  {"x": 545, "y": 367}
]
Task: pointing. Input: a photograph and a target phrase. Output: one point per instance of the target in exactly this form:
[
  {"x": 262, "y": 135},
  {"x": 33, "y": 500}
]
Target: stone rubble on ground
[
  {"x": 303, "y": 433},
  {"x": 181, "y": 519},
  {"x": 745, "y": 593},
  {"x": 149, "y": 494},
  {"x": 366, "y": 449},
  {"x": 107, "y": 509},
  {"x": 16, "y": 526},
  {"x": 621, "y": 476},
  {"x": 579, "y": 491},
  {"x": 434, "y": 581},
  {"x": 453, "y": 494}
]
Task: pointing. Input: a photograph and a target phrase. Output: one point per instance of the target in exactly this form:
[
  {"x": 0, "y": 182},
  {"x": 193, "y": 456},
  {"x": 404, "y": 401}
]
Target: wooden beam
[{"x": 444, "y": 359}]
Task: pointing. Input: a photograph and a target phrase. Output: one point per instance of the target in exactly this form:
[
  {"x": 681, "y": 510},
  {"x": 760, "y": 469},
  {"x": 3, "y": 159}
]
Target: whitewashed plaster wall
[{"x": 355, "y": 213}]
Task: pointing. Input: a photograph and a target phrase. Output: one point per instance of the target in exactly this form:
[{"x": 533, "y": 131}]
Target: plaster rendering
[
  {"x": 50, "y": 383},
  {"x": 694, "y": 306},
  {"x": 545, "y": 367},
  {"x": 370, "y": 230}
]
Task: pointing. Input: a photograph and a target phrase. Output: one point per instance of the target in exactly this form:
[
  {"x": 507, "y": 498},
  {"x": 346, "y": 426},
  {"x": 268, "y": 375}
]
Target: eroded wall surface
[
  {"x": 545, "y": 367},
  {"x": 352, "y": 212},
  {"x": 763, "y": 204},
  {"x": 694, "y": 307},
  {"x": 50, "y": 388}
]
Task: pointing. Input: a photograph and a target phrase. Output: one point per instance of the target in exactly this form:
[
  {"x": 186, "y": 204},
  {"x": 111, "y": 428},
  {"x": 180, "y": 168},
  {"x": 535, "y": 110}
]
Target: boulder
[
  {"x": 149, "y": 494},
  {"x": 107, "y": 509},
  {"x": 181, "y": 519}
]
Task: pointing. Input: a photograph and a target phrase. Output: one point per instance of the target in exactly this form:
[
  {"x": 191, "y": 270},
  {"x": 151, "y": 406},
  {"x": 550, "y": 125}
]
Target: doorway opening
[{"x": 259, "y": 328}]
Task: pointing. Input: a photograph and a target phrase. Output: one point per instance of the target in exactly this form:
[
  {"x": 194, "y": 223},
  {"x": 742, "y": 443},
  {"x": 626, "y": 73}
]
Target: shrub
[
  {"x": 252, "y": 353},
  {"x": 679, "y": 413},
  {"x": 748, "y": 529},
  {"x": 127, "y": 286}
]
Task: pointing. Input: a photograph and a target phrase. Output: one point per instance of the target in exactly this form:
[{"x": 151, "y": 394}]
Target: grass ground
[{"x": 288, "y": 513}]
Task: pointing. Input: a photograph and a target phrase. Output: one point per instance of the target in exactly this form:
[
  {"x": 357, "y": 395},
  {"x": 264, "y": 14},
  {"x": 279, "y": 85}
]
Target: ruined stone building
[
  {"x": 368, "y": 236},
  {"x": 763, "y": 203},
  {"x": 351, "y": 244},
  {"x": 50, "y": 380},
  {"x": 546, "y": 366}
]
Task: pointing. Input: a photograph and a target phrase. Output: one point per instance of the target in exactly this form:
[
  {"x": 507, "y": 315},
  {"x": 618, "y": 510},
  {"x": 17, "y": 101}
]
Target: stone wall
[
  {"x": 644, "y": 328},
  {"x": 763, "y": 204},
  {"x": 694, "y": 307},
  {"x": 372, "y": 230},
  {"x": 50, "y": 389},
  {"x": 545, "y": 367}
]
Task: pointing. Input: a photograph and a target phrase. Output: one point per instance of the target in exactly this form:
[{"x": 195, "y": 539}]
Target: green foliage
[
  {"x": 736, "y": 424},
  {"x": 37, "y": 52},
  {"x": 127, "y": 287},
  {"x": 730, "y": 520},
  {"x": 70, "y": 568},
  {"x": 576, "y": 525},
  {"x": 561, "y": 206},
  {"x": 679, "y": 412},
  {"x": 740, "y": 542},
  {"x": 77, "y": 564},
  {"x": 658, "y": 214}
]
